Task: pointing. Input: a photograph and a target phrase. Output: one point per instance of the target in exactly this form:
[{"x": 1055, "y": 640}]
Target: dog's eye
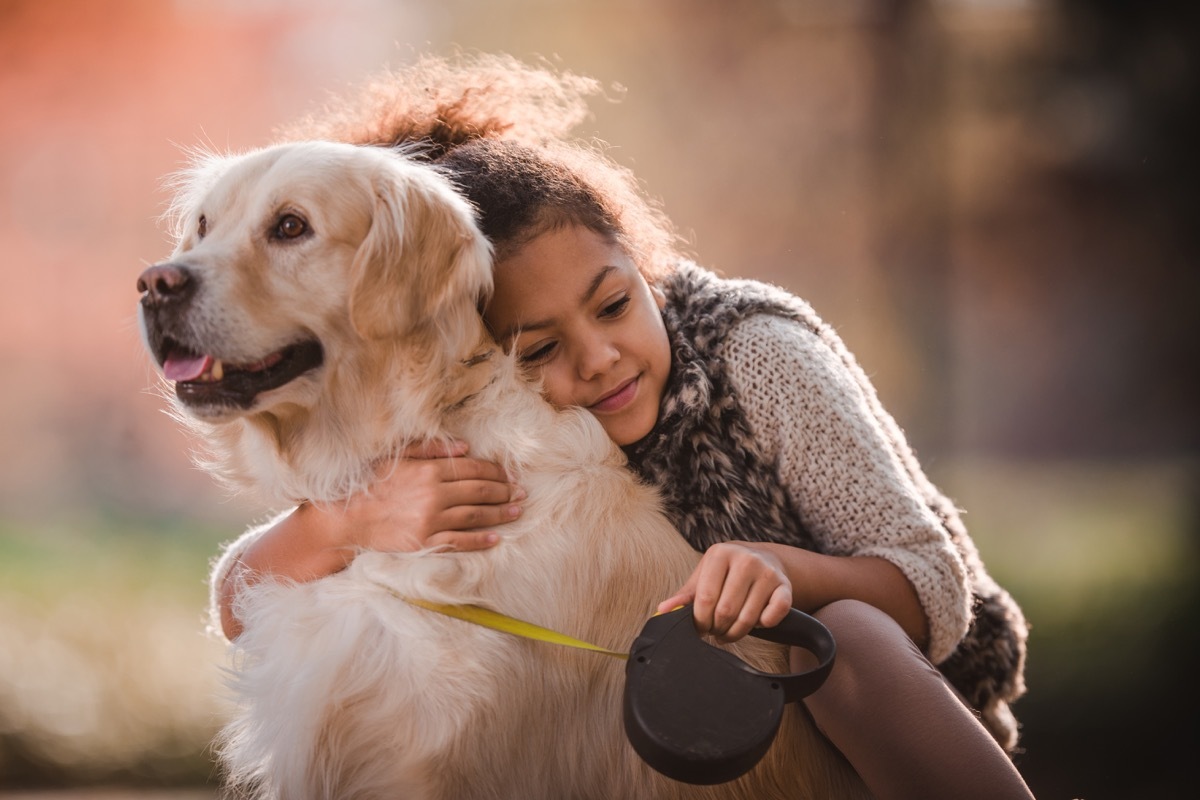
[
  {"x": 202, "y": 227},
  {"x": 290, "y": 226}
]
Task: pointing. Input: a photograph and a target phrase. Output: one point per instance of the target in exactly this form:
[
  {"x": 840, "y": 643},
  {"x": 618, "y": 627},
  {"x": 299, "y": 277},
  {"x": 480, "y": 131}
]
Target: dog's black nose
[{"x": 165, "y": 283}]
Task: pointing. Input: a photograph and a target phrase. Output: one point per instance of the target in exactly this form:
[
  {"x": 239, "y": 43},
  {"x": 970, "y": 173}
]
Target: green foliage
[{"x": 106, "y": 674}]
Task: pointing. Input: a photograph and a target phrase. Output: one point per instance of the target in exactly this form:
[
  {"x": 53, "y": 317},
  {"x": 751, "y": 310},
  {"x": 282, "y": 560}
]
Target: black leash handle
[
  {"x": 796, "y": 630},
  {"x": 700, "y": 714},
  {"x": 800, "y": 630}
]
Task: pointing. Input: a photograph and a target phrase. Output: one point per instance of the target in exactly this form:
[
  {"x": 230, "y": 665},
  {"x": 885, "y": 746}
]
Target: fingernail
[
  {"x": 514, "y": 511},
  {"x": 491, "y": 538},
  {"x": 517, "y": 494}
]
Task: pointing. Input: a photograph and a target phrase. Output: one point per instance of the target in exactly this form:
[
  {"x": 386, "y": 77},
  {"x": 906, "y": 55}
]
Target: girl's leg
[{"x": 896, "y": 719}]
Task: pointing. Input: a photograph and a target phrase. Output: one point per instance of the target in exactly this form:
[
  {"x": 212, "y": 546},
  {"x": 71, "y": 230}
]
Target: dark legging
[{"x": 896, "y": 719}]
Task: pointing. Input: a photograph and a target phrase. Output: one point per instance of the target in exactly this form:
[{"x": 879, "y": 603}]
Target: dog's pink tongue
[{"x": 186, "y": 368}]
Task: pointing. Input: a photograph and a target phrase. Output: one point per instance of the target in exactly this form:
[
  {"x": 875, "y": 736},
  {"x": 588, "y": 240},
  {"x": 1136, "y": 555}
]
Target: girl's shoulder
[
  {"x": 775, "y": 362},
  {"x": 720, "y": 315},
  {"x": 771, "y": 345},
  {"x": 707, "y": 300}
]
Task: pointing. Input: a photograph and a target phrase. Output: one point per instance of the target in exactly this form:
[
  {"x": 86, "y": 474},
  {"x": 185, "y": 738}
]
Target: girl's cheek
[{"x": 555, "y": 390}]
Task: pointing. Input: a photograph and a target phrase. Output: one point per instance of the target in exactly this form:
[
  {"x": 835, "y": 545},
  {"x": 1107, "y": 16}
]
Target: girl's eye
[
  {"x": 290, "y": 226},
  {"x": 539, "y": 353},
  {"x": 615, "y": 308}
]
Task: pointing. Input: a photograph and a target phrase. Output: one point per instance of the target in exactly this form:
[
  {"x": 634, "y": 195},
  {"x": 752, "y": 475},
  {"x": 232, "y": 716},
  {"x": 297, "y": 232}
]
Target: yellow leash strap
[{"x": 506, "y": 624}]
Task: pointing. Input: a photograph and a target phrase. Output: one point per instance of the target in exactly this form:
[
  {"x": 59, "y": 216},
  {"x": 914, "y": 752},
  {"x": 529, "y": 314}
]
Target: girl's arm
[
  {"x": 854, "y": 480},
  {"x": 432, "y": 496},
  {"x": 742, "y": 585},
  {"x": 818, "y": 580}
]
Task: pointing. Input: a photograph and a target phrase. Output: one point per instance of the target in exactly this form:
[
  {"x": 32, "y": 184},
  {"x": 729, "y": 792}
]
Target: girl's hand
[
  {"x": 429, "y": 496},
  {"x": 736, "y": 586}
]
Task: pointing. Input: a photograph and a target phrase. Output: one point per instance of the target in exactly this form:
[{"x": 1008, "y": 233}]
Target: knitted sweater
[{"x": 769, "y": 430}]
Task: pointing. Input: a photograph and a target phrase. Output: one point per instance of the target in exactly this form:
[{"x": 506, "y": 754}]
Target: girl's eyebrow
[
  {"x": 594, "y": 286},
  {"x": 540, "y": 324}
]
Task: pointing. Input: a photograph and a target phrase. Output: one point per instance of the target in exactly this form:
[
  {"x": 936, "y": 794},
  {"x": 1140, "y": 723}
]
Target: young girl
[{"x": 765, "y": 438}]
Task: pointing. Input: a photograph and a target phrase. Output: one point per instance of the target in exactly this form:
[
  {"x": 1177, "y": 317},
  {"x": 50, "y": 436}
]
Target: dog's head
[{"x": 297, "y": 262}]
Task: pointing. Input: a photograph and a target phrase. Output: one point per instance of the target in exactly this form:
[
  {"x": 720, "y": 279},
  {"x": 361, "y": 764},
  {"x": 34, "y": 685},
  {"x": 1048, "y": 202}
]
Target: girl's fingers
[
  {"x": 685, "y": 595},
  {"x": 734, "y": 614},
  {"x": 468, "y": 469},
  {"x": 708, "y": 580},
  {"x": 475, "y": 518},
  {"x": 402, "y": 474},
  {"x": 733, "y": 590},
  {"x": 463, "y": 541},
  {"x": 752, "y": 612},
  {"x": 778, "y": 606},
  {"x": 680, "y": 598},
  {"x": 481, "y": 493},
  {"x": 447, "y": 460}
]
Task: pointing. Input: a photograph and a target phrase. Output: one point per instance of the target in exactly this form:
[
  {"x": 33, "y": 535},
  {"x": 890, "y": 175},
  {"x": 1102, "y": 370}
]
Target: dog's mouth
[{"x": 203, "y": 381}]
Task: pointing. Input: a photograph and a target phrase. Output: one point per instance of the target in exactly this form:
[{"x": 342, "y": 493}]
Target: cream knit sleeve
[{"x": 842, "y": 460}]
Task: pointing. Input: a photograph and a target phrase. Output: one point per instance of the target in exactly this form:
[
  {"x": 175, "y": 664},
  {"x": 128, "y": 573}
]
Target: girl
[{"x": 765, "y": 438}]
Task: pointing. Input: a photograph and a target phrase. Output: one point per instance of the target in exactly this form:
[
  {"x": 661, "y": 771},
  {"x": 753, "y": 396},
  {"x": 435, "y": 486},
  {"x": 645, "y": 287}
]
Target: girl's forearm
[
  {"x": 301, "y": 547},
  {"x": 818, "y": 580}
]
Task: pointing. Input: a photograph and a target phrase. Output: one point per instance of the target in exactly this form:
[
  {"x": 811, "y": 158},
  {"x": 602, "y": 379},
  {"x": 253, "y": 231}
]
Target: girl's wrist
[
  {"x": 318, "y": 539},
  {"x": 323, "y": 527}
]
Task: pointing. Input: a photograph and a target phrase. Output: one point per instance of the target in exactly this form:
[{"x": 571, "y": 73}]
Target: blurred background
[{"x": 992, "y": 200}]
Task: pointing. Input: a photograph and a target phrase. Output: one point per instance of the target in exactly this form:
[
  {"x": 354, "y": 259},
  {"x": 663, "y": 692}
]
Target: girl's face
[{"x": 573, "y": 304}]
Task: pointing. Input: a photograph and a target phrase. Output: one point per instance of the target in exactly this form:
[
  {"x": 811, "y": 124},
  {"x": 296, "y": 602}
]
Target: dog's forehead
[{"x": 300, "y": 173}]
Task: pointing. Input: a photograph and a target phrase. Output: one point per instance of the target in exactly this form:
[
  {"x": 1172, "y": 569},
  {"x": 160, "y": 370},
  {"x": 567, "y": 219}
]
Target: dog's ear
[{"x": 424, "y": 262}]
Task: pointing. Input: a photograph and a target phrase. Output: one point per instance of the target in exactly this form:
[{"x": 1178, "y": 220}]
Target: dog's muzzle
[{"x": 206, "y": 383}]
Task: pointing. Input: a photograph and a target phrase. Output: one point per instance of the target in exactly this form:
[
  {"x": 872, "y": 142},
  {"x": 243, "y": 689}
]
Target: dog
[{"x": 319, "y": 312}]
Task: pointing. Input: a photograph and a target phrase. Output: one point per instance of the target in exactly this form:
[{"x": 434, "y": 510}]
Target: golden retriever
[{"x": 318, "y": 313}]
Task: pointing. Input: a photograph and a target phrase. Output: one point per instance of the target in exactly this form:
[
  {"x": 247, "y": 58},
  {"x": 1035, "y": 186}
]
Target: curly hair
[{"x": 501, "y": 130}]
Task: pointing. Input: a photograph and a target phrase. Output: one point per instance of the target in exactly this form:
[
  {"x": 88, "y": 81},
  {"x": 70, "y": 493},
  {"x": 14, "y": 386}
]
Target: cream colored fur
[{"x": 343, "y": 690}]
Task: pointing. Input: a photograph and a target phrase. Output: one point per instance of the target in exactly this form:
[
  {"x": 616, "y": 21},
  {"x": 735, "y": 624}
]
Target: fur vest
[{"x": 717, "y": 486}]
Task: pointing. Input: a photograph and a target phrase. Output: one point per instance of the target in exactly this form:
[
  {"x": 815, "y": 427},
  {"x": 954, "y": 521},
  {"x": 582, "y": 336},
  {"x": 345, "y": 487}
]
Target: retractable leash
[
  {"x": 701, "y": 715},
  {"x": 693, "y": 712}
]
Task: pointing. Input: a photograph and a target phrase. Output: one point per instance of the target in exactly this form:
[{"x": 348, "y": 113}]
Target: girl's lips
[{"x": 618, "y": 399}]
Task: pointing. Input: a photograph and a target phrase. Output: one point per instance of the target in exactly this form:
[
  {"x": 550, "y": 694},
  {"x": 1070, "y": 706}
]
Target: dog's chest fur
[{"x": 420, "y": 700}]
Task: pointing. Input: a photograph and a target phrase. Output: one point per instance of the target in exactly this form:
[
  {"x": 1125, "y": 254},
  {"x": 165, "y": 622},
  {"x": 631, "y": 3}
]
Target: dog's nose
[{"x": 165, "y": 283}]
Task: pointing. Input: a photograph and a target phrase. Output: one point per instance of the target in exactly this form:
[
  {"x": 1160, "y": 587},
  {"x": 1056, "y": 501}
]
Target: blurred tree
[
  {"x": 908, "y": 160},
  {"x": 1120, "y": 92}
]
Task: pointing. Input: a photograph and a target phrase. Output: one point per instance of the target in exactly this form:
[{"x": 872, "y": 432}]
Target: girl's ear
[{"x": 660, "y": 299}]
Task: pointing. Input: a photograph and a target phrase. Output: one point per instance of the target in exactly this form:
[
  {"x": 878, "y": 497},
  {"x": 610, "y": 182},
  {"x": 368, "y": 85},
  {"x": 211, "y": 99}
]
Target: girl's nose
[{"x": 596, "y": 357}]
